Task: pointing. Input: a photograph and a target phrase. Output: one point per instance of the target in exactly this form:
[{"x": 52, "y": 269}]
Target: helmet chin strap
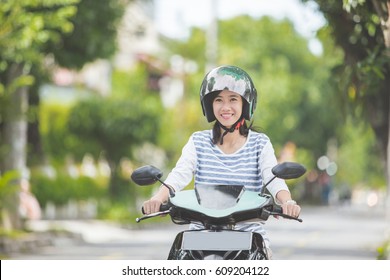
[{"x": 235, "y": 126}]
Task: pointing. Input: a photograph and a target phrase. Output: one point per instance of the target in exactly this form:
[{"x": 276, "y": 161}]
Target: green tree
[
  {"x": 31, "y": 31},
  {"x": 93, "y": 37},
  {"x": 27, "y": 25},
  {"x": 114, "y": 127},
  {"x": 362, "y": 30}
]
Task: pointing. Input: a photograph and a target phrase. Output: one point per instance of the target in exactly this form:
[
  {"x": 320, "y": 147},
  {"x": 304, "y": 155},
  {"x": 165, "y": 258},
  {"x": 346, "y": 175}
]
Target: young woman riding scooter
[{"x": 231, "y": 152}]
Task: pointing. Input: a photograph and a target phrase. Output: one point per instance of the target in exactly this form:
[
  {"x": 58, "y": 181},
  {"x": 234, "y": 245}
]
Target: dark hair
[{"x": 244, "y": 130}]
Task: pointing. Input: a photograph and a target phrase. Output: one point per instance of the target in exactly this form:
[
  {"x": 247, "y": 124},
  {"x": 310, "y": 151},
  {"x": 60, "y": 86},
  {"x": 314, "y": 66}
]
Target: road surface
[{"x": 327, "y": 233}]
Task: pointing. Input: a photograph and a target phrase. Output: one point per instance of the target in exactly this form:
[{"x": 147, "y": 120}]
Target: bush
[
  {"x": 63, "y": 188},
  {"x": 384, "y": 251}
]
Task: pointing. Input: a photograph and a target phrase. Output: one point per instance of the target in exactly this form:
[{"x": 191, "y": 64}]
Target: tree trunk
[
  {"x": 15, "y": 136},
  {"x": 385, "y": 25},
  {"x": 35, "y": 153}
]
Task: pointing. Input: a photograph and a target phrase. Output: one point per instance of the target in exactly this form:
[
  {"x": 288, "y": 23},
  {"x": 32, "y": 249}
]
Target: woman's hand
[
  {"x": 291, "y": 208},
  {"x": 151, "y": 206}
]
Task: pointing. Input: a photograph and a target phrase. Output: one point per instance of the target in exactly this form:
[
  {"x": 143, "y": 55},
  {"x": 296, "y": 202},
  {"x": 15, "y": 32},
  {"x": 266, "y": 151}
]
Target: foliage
[
  {"x": 384, "y": 251},
  {"x": 8, "y": 187},
  {"x": 115, "y": 125},
  {"x": 94, "y": 35},
  {"x": 53, "y": 119},
  {"x": 121, "y": 212},
  {"x": 363, "y": 77},
  {"x": 132, "y": 84},
  {"x": 27, "y": 25},
  {"x": 64, "y": 188},
  {"x": 178, "y": 123},
  {"x": 57, "y": 141},
  {"x": 357, "y": 142}
]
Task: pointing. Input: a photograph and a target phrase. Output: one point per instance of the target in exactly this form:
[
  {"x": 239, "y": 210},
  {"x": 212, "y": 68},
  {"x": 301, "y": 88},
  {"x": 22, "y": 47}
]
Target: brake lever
[
  {"x": 153, "y": 215},
  {"x": 286, "y": 216}
]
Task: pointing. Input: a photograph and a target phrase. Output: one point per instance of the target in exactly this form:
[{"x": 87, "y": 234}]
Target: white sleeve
[
  {"x": 267, "y": 162},
  {"x": 182, "y": 174}
]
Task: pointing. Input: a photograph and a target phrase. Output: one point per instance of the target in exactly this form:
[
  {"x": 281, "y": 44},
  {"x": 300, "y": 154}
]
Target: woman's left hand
[{"x": 291, "y": 208}]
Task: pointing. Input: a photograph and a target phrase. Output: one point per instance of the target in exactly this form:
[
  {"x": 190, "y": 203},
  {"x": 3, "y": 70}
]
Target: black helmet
[{"x": 230, "y": 78}]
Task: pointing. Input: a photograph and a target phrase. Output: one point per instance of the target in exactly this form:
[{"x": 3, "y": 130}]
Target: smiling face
[{"x": 227, "y": 107}]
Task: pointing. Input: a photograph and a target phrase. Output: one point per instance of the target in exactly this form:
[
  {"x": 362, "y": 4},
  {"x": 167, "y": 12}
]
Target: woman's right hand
[{"x": 151, "y": 206}]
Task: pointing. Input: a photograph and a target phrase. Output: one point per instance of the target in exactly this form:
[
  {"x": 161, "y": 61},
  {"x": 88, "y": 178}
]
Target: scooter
[{"x": 218, "y": 208}]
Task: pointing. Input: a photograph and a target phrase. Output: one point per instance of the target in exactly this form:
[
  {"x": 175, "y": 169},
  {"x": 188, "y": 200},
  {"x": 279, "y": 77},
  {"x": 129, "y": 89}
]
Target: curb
[{"x": 31, "y": 242}]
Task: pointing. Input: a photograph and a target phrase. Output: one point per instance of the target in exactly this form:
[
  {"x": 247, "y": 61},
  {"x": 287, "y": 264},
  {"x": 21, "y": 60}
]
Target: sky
[{"x": 175, "y": 17}]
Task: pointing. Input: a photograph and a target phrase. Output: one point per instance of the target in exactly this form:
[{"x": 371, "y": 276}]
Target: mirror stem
[
  {"x": 264, "y": 187},
  {"x": 171, "y": 191}
]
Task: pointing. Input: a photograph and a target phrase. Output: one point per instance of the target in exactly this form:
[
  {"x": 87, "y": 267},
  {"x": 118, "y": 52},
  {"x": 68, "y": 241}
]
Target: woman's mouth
[{"x": 227, "y": 116}]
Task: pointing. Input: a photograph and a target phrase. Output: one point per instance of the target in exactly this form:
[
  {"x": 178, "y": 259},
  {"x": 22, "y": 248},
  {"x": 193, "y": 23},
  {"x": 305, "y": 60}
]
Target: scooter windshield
[{"x": 218, "y": 196}]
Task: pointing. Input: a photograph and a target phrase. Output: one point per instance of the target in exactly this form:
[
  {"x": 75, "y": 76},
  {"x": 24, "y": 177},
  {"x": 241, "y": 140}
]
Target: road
[{"x": 327, "y": 233}]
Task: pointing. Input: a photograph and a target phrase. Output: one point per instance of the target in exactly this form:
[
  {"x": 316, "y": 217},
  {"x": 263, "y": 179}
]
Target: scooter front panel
[
  {"x": 187, "y": 200},
  {"x": 216, "y": 240}
]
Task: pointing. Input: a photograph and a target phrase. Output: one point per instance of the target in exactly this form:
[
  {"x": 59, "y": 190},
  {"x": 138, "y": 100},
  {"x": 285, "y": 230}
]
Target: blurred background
[{"x": 91, "y": 90}]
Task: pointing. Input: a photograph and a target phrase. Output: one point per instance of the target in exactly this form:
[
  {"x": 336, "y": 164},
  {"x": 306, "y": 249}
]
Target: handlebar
[
  {"x": 277, "y": 210},
  {"x": 164, "y": 209}
]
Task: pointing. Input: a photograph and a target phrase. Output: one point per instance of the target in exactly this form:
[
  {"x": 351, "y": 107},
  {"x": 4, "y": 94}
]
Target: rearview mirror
[
  {"x": 146, "y": 175},
  {"x": 288, "y": 170}
]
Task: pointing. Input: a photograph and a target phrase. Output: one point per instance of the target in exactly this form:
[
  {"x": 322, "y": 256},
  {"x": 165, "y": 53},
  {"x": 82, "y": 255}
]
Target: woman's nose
[{"x": 225, "y": 106}]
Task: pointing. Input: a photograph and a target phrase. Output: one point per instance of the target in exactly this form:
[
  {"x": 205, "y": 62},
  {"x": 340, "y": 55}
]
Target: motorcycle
[{"x": 218, "y": 208}]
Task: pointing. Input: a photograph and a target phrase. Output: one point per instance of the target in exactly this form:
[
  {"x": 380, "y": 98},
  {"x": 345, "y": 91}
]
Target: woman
[{"x": 231, "y": 153}]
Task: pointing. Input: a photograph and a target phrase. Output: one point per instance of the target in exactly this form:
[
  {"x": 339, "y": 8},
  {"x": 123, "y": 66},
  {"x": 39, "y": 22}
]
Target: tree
[
  {"x": 115, "y": 127},
  {"x": 30, "y": 31},
  {"x": 362, "y": 30},
  {"x": 27, "y": 25},
  {"x": 93, "y": 37},
  {"x": 364, "y": 75}
]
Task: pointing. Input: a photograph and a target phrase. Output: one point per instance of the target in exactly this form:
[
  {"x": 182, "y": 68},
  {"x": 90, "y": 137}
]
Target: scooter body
[
  {"x": 215, "y": 211},
  {"x": 218, "y": 245}
]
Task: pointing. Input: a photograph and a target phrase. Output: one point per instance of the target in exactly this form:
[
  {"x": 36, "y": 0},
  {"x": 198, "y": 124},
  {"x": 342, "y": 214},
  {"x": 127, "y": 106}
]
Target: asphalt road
[{"x": 327, "y": 233}]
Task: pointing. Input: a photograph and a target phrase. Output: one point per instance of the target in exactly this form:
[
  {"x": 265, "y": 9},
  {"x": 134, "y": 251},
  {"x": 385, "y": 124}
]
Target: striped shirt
[
  {"x": 239, "y": 168},
  {"x": 250, "y": 166}
]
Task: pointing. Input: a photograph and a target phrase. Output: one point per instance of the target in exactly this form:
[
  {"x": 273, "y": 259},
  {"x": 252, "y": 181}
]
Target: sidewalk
[
  {"x": 61, "y": 232},
  {"x": 75, "y": 232},
  {"x": 91, "y": 231}
]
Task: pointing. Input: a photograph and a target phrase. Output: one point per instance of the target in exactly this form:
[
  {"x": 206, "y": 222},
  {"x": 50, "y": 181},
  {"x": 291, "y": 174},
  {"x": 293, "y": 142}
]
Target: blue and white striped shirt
[
  {"x": 240, "y": 168},
  {"x": 249, "y": 166}
]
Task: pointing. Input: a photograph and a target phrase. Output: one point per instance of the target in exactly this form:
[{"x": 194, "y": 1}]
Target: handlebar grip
[
  {"x": 163, "y": 207},
  {"x": 277, "y": 209}
]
